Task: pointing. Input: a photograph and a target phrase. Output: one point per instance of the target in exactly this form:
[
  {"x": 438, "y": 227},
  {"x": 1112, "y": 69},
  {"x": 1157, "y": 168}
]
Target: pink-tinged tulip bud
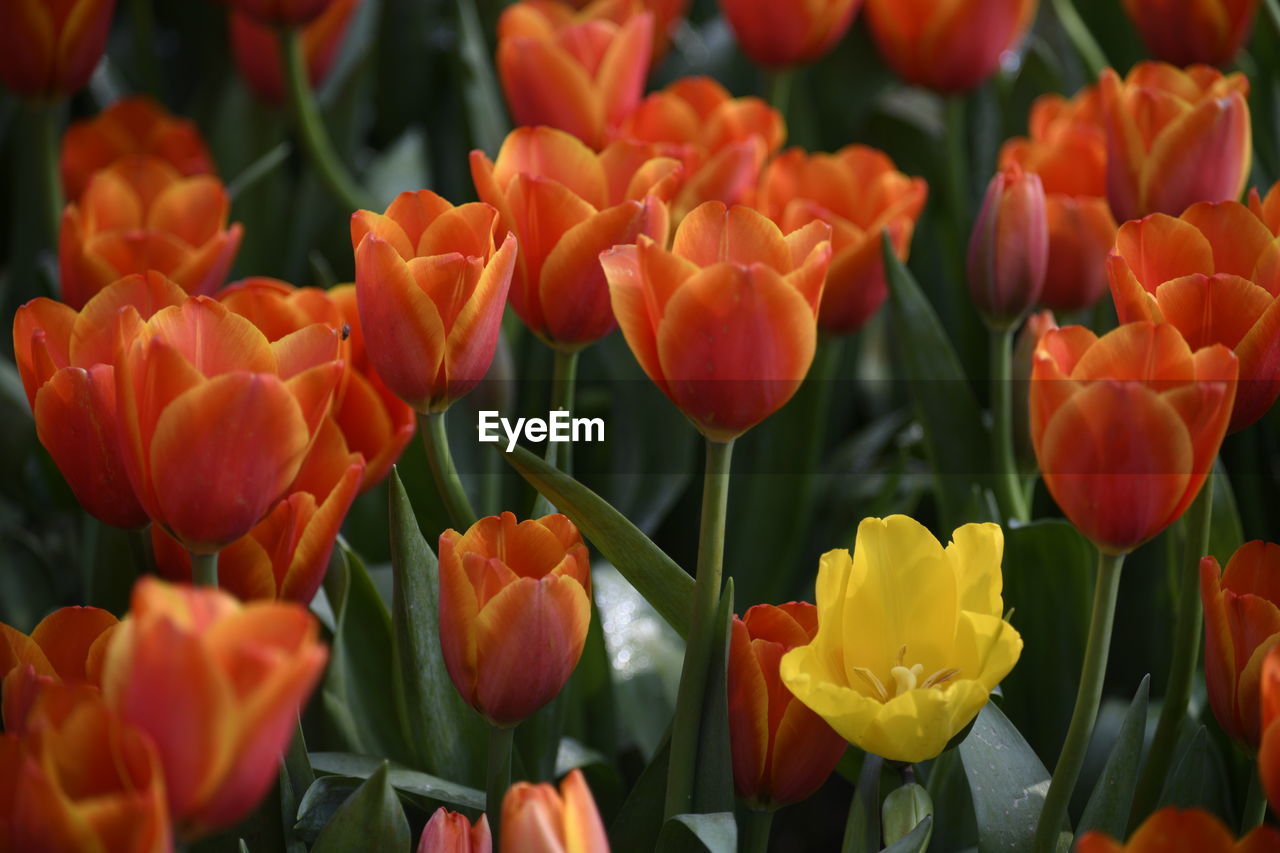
[
  {"x": 782, "y": 750},
  {"x": 1185, "y": 32},
  {"x": 51, "y": 48},
  {"x": 777, "y": 35},
  {"x": 256, "y": 49},
  {"x": 1009, "y": 248},
  {"x": 217, "y": 686},
  {"x": 539, "y": 819},
  {"x": 515, "y": 604},
  {"x": 450, "y": 832},
  {"x": 1174, "y": 138}
]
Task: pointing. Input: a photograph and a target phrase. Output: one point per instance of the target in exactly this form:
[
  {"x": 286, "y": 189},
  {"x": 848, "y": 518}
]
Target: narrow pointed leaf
[
  {"x": 713, "y": 775},
  {"x": 916, "y": 841},
  {"x": 1108, "y": 806},
  {"x": 862, "y": 828},
  {"x": 699, "y": 833},
  {"x": 370, "y": 819},
  {"x": 636, "y": 828},
  {"x": 1007, "y": 781},
  {"x": 403, "y": 779}
]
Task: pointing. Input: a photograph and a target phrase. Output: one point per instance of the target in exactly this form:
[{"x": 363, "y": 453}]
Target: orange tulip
[
  {"x": 256, "y": 48},
  {"x": 1009, "y": 248},
  {"x": 859, "y": 193},
  {"x": 778, "y": 35},
  {"x": 581, "y": 72},
  {"x": 130, "y": 127},
  {"x": 1024, "y": 348},
  {"x": 217, "y": 686},
  {"x": 667, "y": 17},
  {"x": 451, "y": 832},
  {"x": 1184, "y": 32},
  {"x": 140, "y": 214},
  {"x": 566, "y": 205},
  {"x": 183, "y": 377},
  {"x": 721, "y": 141},
  {"x": 430, "y": 288},
  {"x": 538, "y": 819},
  {"x": 67, "y": 646},
  {"x": 1269, "y": 751},
  {"x": 782, "y": 751},
  {"x": 1126, "y": 427},
  {"x": 947, "y": 47},
  {"x": 1067, "y": 148},
  {"x": 276, "y": 13},
  {"x": 81, "y": 779},
  {"x": 1173, "y": 830},
  {"x": 1214, "y": 273},
  {"x": 1267, "y": 209},
  {"x": 726, "y": 322},
  {"x": 515, "y": 603},
  {"x": 66, "y": 360},
  {"x": 48, "y": 48},
  {"x": 1174, "y": 138}
]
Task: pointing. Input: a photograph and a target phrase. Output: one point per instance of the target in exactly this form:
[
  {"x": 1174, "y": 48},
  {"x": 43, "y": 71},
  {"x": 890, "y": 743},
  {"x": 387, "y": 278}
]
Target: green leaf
[
  {"x": 904, "y": 811},
  {"x": 444, "y": 733},
  {"x": 713, "y": 774},
  {"x": 318, "y": 805},
  {"x": 862, "y": 829},
  {"x": 636, "y": 828},
  {"x": 1108, "y": 806},
  {"x": 370, "y": 819},
  {"x": 402, "y": 779},
  {"x": 655, "y": 575},
  {"x": 699, "y": 833},
  {"x": 1187, "y": 785},
  {"x": 1226, "y": 533},
  {"x": 916, "y": 841},
  {"x": 944, "y": 403},
  {"x": 1007, "y": 781},
  {"x": 485, "y": 114}
]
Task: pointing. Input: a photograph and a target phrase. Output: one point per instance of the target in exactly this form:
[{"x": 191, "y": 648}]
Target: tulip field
[{"x": 571, "y": 426}]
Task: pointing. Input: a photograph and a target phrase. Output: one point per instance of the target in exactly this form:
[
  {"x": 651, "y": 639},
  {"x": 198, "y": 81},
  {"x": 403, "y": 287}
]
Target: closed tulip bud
[
  {"x": 539, "y": 819},
  {"x": 726, "y": 322},
  {"x": 580, "y": 72},
  {"x": 566, "y": 205},
  {"x": 1269, "y": 751},
  {"x": 67, "y": 363},
  {"x": 1173, "y": 830},
  {"x": 141, "y": 214},
  {"x": 1126, "y": 427},
  {"x": 50, "y": 49},
  {"x": 778, "y": 35},
  {"x": 130, "y": 127},
  {"x": 282, "y": 13},
  {"x": 782, "y": 751},
  {"x": 185, "y": 374},
  {"x": 450, "y": 832},
  {"x": 515, "y": 603},
  {"x": 256, "y": 48},
  {"x": 431, "y": 287},
  {"x": 217, "y": 687},
  {"x": 1067, "y": 149},
  {"x": 948, "y": 47},
  {"x": 859, "y": 193},
  {"x": 1185, "y": 32},
  {"x": 1009, "y": 248},
  {"x": 1174, "y": 138}
]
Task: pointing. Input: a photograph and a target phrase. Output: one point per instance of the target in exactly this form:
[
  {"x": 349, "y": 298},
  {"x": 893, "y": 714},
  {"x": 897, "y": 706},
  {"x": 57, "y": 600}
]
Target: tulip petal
[
  {"x": 1161, "y": 247},
  {"x": 473, "y": 337},
  {"x": 545, "y": 85},
  {"x": 1201, "y": 156},
  {"x": 1237, "y": 236},
  {"x": 738, "y": 235},
  {"x": 748, "y": 711},
  {"x": 975, "y": 552},
  {"x": 65, "y": 636}
]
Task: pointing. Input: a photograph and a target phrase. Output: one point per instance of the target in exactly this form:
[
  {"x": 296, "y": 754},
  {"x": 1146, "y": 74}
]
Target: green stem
[
  {"x": 686, "y": 726},
  {"x": 779, "y": 85},
  {"x": 1186, "y": 654},
  {"x": 1078, "y": 32},
  {"x": 498, "y": 776},
  {"x": 315, "y": 139},
  {"x": 144, "y": 51},
  {"x": 448, "y": 484},
  {"x": 1272, "y": 8},
  {"x": 257, "y": 170},
  {"x": 45, "y": 125},
  {"x": 957, "y": 191},
  {"x": 1009, "y": 492},
  {"x": 1255, "y": 803},
  {"x": 1088, "y": 696},
  {"x": 204, "y": 569},
  {"x": 563, "y": 379},
  {"x": 759, "y": 824}
]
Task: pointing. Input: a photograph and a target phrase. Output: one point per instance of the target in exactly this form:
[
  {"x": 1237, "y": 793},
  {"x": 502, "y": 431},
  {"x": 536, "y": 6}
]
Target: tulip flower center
[{"x": 905, "y": 678}]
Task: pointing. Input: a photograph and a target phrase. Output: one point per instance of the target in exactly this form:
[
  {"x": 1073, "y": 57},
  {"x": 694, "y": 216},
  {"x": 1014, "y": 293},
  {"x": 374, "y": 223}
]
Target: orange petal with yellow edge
[
  {"x": 66, "y": 635},
  {"x": 1237, "y": 236},
  {"x": 544, "y": 85},
  {"x": 738, "y": 235},
  {"x": 1159, "y": 248}
]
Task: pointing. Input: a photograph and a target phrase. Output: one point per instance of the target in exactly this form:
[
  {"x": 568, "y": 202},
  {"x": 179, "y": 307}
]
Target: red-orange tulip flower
[
  {"x": 782, "y": 751},
  {"x": 66, "y": 362},
  {"x": 450, "y": 832},
  {"x": 1174, "y": 138},
  {"x": 1267, "y": 209},
  {"x": 581, "y": 72},
  {"x": 566, "y": 205},
  {"x": 1009, "y": 248},
  {"x": 859, "y": 193},
  {"x": 1067, "y": 148},
  {"x": 539, "y": 819},
  {"x": 947, "y": 47},
  {"x": 81, "y": 779},
  {"x": 256, "y": 49},
  {"x": 276, "y": 13},
  {"x": 1242, "y": 622},
  {"x": 431, "y": 288},
  {"x": 726, "y": 322},
  {"x": 1214, "y": 273},
  {"x": 217, "y": 686},
  {"x": 67, "y": 646},
  {"x": 667, "y": 17},
  {"x": 721, "y": 141},
  {"x": 141, "y": 214},
  {"x": 1173, "y": 830},
  {"x": 1126, "y": 427},
  {"x": 1269, "y": 752},
  {"x": 49, "y": 48},
  {"x": 777, "y": 35},
  {"x": 1185, "y": 32},
  {"x": 215, "y": 421},
  {"x": 130, "y": 127},
  {"x": 515, "y": 603}
]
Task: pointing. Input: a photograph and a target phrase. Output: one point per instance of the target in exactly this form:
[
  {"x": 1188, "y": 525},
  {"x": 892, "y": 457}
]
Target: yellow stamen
[{"x": 871, "y": 679}]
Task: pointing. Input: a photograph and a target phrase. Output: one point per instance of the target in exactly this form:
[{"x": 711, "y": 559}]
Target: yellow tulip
[{"x": 910, "y": 638}]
